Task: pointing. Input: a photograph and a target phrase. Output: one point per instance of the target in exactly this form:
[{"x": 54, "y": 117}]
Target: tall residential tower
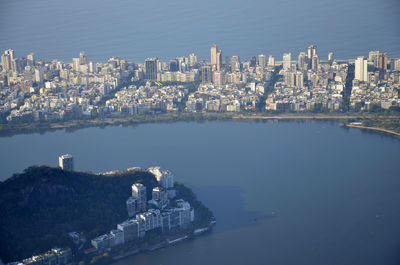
[{"x": 66, "y": 162}]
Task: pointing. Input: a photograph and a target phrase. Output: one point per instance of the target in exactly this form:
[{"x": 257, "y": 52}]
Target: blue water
[
  {"x": 335, "y": 191},
  {"x": 135, "y": 29}
]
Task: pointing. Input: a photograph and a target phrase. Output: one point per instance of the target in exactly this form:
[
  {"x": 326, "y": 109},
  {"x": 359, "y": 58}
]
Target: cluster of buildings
[
  {"x": 376, "y": 82},
  {"x": 133, "y": 100},
  {"x": 33, "y": 90},
  {"x": 308, "y": 84},
  {"x": 162, "y": 212},
  {"x": 56, "y": 256}
]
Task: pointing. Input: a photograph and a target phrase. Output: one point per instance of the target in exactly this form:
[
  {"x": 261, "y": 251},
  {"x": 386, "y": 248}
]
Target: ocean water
[
  {"x": 136, "y": 30},
  {"x": 334, "y": 191}
]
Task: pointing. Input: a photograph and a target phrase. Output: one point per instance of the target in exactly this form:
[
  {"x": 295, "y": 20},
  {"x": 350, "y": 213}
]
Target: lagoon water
[
  {"x": 134, "y": 29},
  {"x": 334, "y": 191}
]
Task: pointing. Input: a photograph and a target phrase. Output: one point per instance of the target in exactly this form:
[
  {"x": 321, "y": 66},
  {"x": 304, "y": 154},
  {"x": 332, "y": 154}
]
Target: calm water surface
[{"x": 335, "y": 192}]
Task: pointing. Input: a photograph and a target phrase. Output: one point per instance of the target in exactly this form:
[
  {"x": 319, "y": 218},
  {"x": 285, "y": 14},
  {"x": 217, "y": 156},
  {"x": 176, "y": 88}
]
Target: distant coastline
[{"x": 16, "y": 129}]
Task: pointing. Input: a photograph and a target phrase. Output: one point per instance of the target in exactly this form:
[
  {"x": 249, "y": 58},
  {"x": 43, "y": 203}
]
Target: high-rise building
[
  {"x": 330, "y": 57},
  {"x": 193, "y": 59},
  {"x": 383, "y": 61},
  {"x": 214, "y": 50},
  {"x": 397, "y": 65},
  {"x": 7, "y": 59},
  {"x": 299, "y": 80},
  {"x": 289, "y": 78},
  {"x": 66, "y": 162},
  {"x": 76, "y": 64},
  {"x": 286, "y": 61},
  {"x": 218, "y": 79},
  {"x": 38, "y": 75},
  {"x": 235, "y": 63},
  {"x": 140, "y": 194},
  {"x": 82, "y": 58},
  {"x": 30, "y": 59},
  {"x": 312, "y": 50},
  {"x": 378, "y": 59},
  {"x": 219, "y": 60},
  {"x": 151, "y": 65},
  {"x": 271, "y": 61},
  {"x": 315, "y": 63},
  {"x": 373, "y": 57},
  {"x": 361, "y": 67},
  {"x": 302, "y": 61},
  {"x": 173, "y": 65},
  {"x": 261, "y": 60},
  {"x": 253, "y": 61},
  {"x": 206, "y": 74},
  {"x": 131, "y": 206}
]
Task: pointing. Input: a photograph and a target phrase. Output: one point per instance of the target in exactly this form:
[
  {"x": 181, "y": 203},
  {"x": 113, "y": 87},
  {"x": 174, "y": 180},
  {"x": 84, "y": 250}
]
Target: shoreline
[
  {"x": 373, "y": 129},
  {"x": 17, "y": 129}
]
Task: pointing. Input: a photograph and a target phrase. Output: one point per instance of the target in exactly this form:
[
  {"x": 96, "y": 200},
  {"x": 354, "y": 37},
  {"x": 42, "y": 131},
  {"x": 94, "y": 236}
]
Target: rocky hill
[{"x": 41, "y": 205}]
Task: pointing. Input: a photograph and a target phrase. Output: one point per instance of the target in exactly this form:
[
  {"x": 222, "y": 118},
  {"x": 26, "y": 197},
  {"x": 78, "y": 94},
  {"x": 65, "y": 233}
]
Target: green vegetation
[
  {"x": 387, "y": 124},
  {"x": 41, "y": 205},
  {"x": 192, "y": 87},
  {"x": 203, "y": 215},
  {"x": 260, "y": 107},
  {"x": 347, "y": 89}
]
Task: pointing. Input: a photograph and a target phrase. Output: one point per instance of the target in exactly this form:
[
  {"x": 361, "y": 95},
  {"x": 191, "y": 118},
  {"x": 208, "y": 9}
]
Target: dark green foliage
[
  {"x": 40, "y": 206},
  {"x": 203, "y": 215},
  {"x": 388, "y": 124},
  {"x": 347, "y": 89},
  {"x": 191, "y": 86}
]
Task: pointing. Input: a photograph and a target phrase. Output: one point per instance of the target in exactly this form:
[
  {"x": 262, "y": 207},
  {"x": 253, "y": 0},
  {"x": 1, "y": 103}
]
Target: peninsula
[{"x": 94, "y": 218}]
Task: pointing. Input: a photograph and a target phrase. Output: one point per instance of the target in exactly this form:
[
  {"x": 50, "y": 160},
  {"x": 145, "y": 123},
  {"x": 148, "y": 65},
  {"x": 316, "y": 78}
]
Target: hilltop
[{"x": 41, "y": 205}]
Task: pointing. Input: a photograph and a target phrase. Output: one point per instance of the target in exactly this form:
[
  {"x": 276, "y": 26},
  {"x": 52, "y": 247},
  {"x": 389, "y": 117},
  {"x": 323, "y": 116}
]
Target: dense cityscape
[{"x": 35, "y": 90}]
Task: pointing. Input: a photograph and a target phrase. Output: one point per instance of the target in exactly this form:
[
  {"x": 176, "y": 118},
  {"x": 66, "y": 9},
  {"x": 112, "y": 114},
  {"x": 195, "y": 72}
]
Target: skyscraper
[
  {"x": 302, "y": 61},
  {"x": 66, "y": 162},
  {"x": 379, "y": 59},
  {"x": 193, "y": 59},
  {"x": 206, "y": 74},
  {"x": 361, "y": 67},
  {"x": 218, "y": 78},
  {"x": 140, "y": 194},
  {"x": 299, "y": 80},
  {"x": 330, "y": 57},
  {"x": 271, "y": 61},
  {"x": 253, "y": 61},
  {"x": 151, "y": 68},
  {"x": 219, "y": 60},
  {"x": 383, "y": 61},
  {"x": 315, "y": 63},
  {"x": 286, "y": 61},
  {"x": 30, "y": 59},
  {"x": 373, "y": 57},
  {"x": 216, "y": 58},
  {"x": 214, "y": 50},
  {"x": 173, "y": 65},
  {"x": 7, "y": 59},
  {"x": 235, "y": 63},
  {"x": 261, "y": 60},
  {"x": 82, "y": 58},
  {"x": 312, "y": 50},
  {"x": 75, "y": 64}
]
